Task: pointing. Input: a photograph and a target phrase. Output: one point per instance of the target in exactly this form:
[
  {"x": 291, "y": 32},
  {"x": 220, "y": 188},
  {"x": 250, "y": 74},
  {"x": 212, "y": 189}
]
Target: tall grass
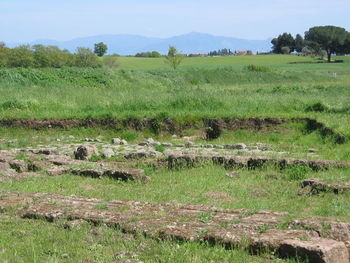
[{"x": 221, "y": 91}]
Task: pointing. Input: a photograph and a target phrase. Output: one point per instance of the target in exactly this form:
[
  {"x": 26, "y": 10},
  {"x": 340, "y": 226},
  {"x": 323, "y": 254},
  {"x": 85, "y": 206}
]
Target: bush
[
  {"x": 308, "y": 51},
  {"x": 285, "y": 50},
  {"x": 51, "y": 56},
  {"x": 317, "y": 107},
  {"x": 12, "y": 105},
  {"x": 20, "y": 56},
  {"x": 85, "y": 57},
  {"x": 110, "y": 61},
  {"x": 153, "y": 54},
  {"x": 256, "y": 68},
  {"x": 129, "y": 135},
  {"x": 297, "y": 172},
  {"x": 160, "y": 148},
  {"x": 39, "y": 56}
]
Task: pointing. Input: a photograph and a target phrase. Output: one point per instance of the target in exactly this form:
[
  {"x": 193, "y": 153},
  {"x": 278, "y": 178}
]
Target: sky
[{"x": 28, "y": 20}]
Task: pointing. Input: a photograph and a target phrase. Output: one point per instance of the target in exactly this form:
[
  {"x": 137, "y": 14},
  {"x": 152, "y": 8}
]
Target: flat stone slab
[
  {"x": 256, "y": 230},
  {"x": 126, "y": 174},
  {"x": 317, "y": 251}
]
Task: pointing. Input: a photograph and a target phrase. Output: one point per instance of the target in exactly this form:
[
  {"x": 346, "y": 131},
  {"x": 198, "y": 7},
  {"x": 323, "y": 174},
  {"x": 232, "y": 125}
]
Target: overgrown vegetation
[
  {"x": 271, "y": 90},
  {"x": 40, "y": 56},
  {"x": 252, "y": 86}
]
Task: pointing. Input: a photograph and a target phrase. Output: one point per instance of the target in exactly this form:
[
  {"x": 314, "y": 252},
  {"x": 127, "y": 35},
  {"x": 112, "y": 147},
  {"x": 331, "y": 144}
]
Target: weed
[
  {"x": 262, "y": 229},
  {"x": 132, "y": 219},
  {"x": 129, "y": 135},
  {"x": 203, "y": 231},
  {"x": 21, "y": 156},
  {"x": 95, "y": 158},
  {"x": 258, "y": 68},
  {"x": 101, "y": 206},
  {"x": 317, "y": 107},
  {"x": 160, "y": 148},
  {"x": 297, "y": 172},
  {"x": 304, "y": 238},
  {"x": 326, "y": 229},
  {"x": 204, "y": 217},
  {"x": 123, "y": 208}
]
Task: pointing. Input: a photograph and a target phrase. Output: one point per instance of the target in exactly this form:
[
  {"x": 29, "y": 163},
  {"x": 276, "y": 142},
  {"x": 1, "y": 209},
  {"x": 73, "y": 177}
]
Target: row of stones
[
  {"x": 53, "y": 164},
  {"x": 231, "y": 228},
  {"x": 50, "y": 160},
  {"x": 315, "y": 186}
]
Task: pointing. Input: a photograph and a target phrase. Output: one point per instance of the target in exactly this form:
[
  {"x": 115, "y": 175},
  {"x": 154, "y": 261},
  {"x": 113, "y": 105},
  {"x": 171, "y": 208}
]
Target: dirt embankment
[{"x": 212, "y": 127}]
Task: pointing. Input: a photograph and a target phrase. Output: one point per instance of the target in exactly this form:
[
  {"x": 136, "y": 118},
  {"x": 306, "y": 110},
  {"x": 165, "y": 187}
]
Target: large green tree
[
  {"x": 299, "y": 43},
  {"x": 100, "y": 49},
  {"x": 284, "y": 40},
  {"x": 330, "y": 38},
  {"x": 347, "y": 45}
]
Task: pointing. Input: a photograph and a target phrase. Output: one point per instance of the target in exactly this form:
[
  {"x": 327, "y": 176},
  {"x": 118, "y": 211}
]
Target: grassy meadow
[
  {"x": 285, "y": 86},
  {"x": 201, "y": 87}
]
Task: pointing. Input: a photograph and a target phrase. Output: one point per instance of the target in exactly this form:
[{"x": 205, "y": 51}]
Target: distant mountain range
[{"x": 187, "y": 43}]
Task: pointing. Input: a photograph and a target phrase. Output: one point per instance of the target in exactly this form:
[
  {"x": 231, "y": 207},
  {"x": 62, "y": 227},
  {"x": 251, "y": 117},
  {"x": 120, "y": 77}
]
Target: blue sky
[{"x": 27, "y": 20}]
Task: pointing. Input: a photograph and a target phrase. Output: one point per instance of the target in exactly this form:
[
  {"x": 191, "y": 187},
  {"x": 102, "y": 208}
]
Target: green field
[
  {"x": 157, "y": 63},
  {"x": 223, "y": 89},
  {"x": 282, "y": 86}
]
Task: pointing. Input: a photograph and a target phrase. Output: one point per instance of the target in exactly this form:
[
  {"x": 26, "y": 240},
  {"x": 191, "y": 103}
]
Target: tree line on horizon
[
  {"x": 319, "y": 40},
  {"x": 40, "y": 56},
  {"x": 228, "y": 52}
]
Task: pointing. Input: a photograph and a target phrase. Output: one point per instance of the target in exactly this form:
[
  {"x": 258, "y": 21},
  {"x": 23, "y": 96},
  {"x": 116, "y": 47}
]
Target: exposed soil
[
  {"x": 212, "y": 127},
  {"x": 251, "y": 162}
]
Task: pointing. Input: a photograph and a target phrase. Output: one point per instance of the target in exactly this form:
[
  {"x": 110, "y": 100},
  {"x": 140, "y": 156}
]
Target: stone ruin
[{"x": 304, "y": 238}]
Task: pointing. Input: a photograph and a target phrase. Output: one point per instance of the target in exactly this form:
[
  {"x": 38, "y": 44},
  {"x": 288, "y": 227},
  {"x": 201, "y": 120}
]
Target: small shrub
[
  {"x": 317, "y": 107},
  {"x": 159, "y": 148},
  {"x": 277, "y": 89},
  {"x": 20, "y": 156},
  {"x": 95, "y": 158},
  {"x": 204, "y": 217},
  {"x": 258, "y": 68},
  {"x": 148, "y": 168},
  {"x": 12, "y": 105},
  {"x": 320, "y": 87},
  {"x": 110, "y": 61},
  {"x": 129, "y": 135},
  {"x": 102, "y": 206},
  {"x": 194, "y": 81},
  {"x": 285, "y": 50},
  {"x": 297, "y": 172}
]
